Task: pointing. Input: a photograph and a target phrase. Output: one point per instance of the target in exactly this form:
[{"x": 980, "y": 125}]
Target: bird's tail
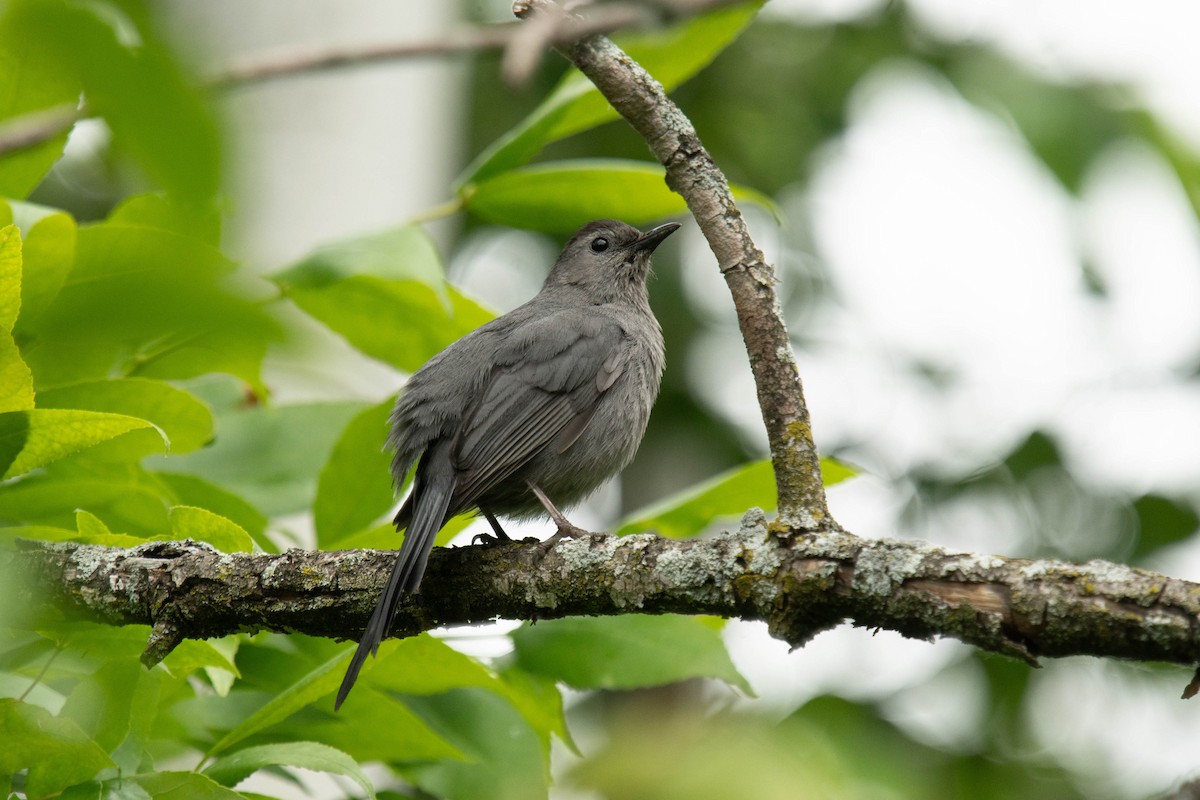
[{"x": 428, "y": 514}]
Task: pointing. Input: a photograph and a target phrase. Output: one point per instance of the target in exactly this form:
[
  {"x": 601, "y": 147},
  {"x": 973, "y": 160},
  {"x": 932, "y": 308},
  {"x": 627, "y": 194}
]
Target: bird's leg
[
  {"x": 484, "y": 538},
  {"x": 565, "y": 529}
]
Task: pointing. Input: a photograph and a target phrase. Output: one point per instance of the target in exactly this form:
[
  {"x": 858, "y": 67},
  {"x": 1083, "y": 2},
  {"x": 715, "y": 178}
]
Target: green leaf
[
  {"x": 188, "y": 490},
  {"x": 31, "y": 79},
  {"x": 88, "y": 524},
  {"x": 424, "y": 664},
  {"x": 34, "y": 438},
  {"x": 16, "y": 381},
  {"x": 184, "y": 421},
  {"x": 49, "y": 253},
  {"x": 183, "y": 786},
  {"x": 729, "y": 494},
  {"x": 560, "y": 196},
  {"x": 232, "y": 769},
  {"x": 671, "y": 56},
  {"x": 189, "y": 522},
  {"x": 317, "y": 683},
  {"x": 56, "y": 753},
  {"x": 10, "y": 276},
  {"x": 269, "y": 455},
  {"x": 625, "y": 652},
  {"x": 403, "y": 323},
  {"x": 355, "y": 486}
]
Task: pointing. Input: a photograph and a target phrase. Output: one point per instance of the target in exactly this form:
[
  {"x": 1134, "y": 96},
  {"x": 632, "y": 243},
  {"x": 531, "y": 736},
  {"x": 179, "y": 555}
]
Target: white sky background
[{"x": 947, "y": 244}]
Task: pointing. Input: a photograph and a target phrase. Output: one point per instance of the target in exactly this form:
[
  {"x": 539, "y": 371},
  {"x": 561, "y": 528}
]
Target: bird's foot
[
  {"x": 489, "y": 539},
  {"x": 565, "y": 531}
]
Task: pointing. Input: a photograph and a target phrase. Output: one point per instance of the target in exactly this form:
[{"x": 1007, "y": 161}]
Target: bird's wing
[{"x": 549, "y": 378}]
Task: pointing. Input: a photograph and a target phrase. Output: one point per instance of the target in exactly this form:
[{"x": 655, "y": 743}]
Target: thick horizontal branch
[{"x": 799, "y": 584}]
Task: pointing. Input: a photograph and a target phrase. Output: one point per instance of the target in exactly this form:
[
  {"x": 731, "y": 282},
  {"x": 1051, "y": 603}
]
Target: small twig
[
  {"x": 521, "y": 59},
  {"x": 41, "y": 673},
  {"x": 692, "y": 173},
  {"x": 30, "y": 130}
]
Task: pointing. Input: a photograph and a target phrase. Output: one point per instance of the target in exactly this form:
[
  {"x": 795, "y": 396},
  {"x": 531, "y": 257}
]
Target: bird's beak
[{"x": 653, "y": 239}]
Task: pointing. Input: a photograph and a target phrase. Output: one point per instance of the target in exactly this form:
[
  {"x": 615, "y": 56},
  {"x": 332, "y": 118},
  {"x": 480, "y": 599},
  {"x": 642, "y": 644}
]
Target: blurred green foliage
[{"x": 133, "y": 408}]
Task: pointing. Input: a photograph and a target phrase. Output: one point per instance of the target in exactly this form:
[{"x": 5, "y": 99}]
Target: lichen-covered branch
[
  {"x": 692, "y": 173},
  {"x": 798, "y": 584}
]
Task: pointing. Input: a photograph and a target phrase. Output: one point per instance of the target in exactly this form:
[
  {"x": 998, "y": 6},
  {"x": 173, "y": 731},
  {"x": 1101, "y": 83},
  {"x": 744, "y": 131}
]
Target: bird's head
[{"x": 608, "y": 256}]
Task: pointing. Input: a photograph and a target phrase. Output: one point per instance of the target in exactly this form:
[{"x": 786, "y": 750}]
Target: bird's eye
[{"x": 599, "y": 244}]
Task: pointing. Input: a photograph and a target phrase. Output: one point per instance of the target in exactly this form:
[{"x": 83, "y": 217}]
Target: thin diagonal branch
[{"x": 692, "y": 173}]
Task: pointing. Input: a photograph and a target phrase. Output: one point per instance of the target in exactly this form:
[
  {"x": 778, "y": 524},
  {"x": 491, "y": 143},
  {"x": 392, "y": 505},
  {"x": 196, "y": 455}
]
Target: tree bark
[{"x": 798, "y": 583}]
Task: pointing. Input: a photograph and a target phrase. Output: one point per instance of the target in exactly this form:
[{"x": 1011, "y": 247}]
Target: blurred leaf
[
  {"x": 404, "y": 253},
  {"x": 560, "y": 196},
  {"x": 189, "y": 522},
  {"x": 54, "y": 750},
  {"x": 269, "y": 455},
  {"x": 31, "y": 79},
  {"x": 424, "y": 665},
  {"x": 132, "y": 81},
  {"x": 101, "y": 703},
  {"x": 625, "y": 652},
  {"x": 125, "y": 643},
  {"x": 159, "y": 211},
  {"x": 540, "y": 702},
  {"x": 232, "y": 769},
  {"x": 184, "y": 421},
  {"x": 1067, "y": 126},
  {"x": 34, "y": 438},
  {"x": 1037, "y": 451},
  {"x": 1182, "y": 156},
  {"x": 145, "y": 301},
  {"x": 680, "y": 754},
  {"x": 16, "y": 381},
  {"x": 671, "y": 56},
  {"x": 355, "y": 485},
  {"x": 386, "y": 537},
  {"x": 727, "y": 495},
  {"x": 179, "y": 785},
  {"x": 1162, "y": 521},
  {"x": 49, "y": 253},
  {"x": 385, "y": 294},
  {"x": 503, "y": 756},
  {"x": 123, "y": 494}
]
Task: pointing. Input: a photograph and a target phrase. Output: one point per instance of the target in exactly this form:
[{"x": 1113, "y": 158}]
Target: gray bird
[{"x": 538, "y": 406}]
